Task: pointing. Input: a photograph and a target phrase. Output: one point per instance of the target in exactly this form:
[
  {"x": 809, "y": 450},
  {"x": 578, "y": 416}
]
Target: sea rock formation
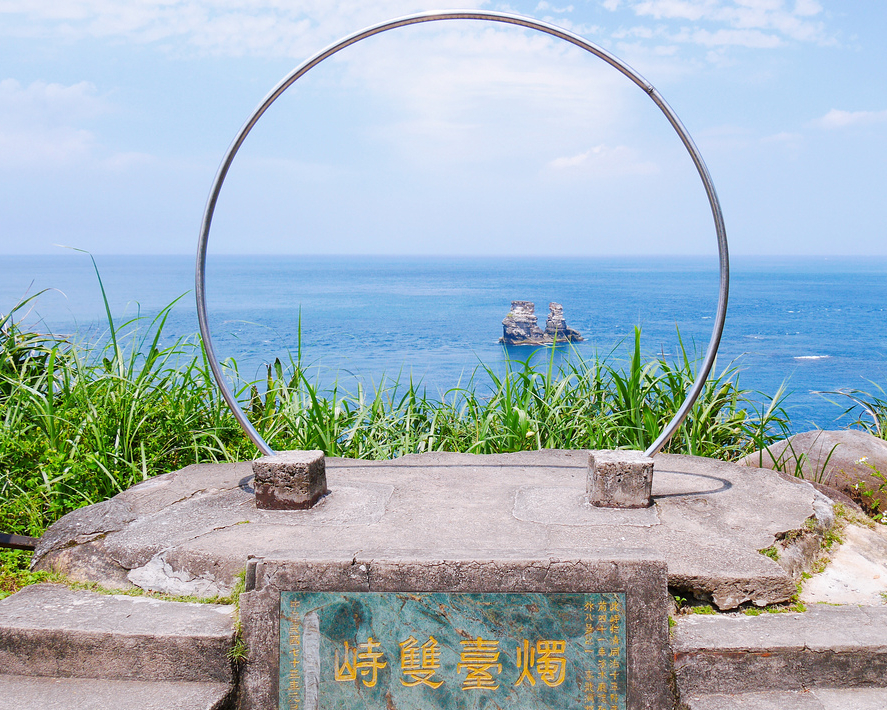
[
  {"x": 556, "y": 327},
  {"x": 520, "y": 326}
]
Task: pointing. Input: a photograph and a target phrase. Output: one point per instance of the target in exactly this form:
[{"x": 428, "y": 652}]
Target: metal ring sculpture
[{"x": 509, "y": 19}]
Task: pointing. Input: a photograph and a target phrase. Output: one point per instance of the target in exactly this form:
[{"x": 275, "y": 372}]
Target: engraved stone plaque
[{"x": 466, "y": 651}]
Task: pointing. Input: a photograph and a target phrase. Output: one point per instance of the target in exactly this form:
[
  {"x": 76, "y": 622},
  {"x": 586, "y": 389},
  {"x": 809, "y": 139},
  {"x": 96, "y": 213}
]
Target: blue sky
[{"x": 457, "y": 138}]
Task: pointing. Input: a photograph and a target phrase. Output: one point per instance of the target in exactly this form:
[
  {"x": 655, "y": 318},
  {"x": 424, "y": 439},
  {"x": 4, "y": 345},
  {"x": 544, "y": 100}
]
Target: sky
[{"x": 447, "y": 138}]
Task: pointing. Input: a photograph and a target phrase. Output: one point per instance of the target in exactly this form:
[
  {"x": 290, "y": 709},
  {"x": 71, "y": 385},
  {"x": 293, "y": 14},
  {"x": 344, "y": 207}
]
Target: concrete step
[
  {"x": 40, "y": 693},
  {"x": 815, "y": 699},
  {"x": 50, "y": 630},
  {"x": 824, "y": 647}
]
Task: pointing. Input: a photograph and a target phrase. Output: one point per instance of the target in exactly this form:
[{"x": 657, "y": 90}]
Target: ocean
[{"x": 815, "y": 324}]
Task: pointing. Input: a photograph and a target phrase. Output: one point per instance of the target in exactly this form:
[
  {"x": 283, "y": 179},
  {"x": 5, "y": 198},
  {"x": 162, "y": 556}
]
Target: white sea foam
[{"x": 811, "y": 357}]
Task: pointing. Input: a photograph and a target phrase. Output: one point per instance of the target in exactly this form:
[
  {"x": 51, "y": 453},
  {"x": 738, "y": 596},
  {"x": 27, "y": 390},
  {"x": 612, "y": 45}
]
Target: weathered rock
[
  {"x": 857, "y": 572},
  {"x": 520, "y": 326},
  {"x": 556, "y": 327},
  {"x": 807, "y": 699},
  {"x": 28, "y": 692},
  {"x": 852, "y": 461},
  {"x": 50, "y": 630},
  {"x": 827, "y": 646}
]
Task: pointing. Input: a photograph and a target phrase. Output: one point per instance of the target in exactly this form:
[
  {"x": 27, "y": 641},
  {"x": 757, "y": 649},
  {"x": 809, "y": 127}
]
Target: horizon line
[{"x": 652, "y": 255}]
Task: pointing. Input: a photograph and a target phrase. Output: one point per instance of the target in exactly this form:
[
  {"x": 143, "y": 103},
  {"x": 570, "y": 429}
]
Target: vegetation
[{"x": 869, "y": 409}]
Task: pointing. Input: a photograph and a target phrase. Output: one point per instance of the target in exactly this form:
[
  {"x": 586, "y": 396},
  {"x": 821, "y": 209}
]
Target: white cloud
[
  {"x": 807, "y": 8},
  {"x": 548, "y": 7},
  {"x": 605, "y": 160},
  {"x": 474, "y": 93},
  {"x": 639, "y": 31},
  {"x": 569, "y": 162},
  {"x": 45, "y": 103},
  {"x": 842, "y": 119},
  {"x": 692, "y": 10},
  {"x": 46, "y": 126},
  {"x": 38, "y": 123},
  {"x": 748, "y": 23},
  {"x": 739, "y": 38},
  {"x": 271, "y": 28}
]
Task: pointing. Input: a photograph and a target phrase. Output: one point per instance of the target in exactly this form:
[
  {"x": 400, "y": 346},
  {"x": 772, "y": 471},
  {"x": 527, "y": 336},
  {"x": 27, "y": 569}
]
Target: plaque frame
[{"x": 643, "y": 580}]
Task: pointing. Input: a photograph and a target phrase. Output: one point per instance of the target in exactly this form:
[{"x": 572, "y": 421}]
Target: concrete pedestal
[
  {"x": 289, "y": 480},
  {"x": 620, "y": 479}
]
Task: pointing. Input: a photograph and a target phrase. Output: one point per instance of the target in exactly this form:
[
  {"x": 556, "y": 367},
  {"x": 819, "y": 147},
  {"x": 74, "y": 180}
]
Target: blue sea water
[{"x": 815, "y": 324}]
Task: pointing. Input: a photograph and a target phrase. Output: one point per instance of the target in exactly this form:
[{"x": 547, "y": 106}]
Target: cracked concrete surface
[{"x": 192, "y": 531}]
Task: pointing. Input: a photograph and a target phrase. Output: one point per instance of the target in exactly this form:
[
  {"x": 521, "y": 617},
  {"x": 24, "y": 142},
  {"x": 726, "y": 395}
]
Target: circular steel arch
[{"x": 489, "y": 16}]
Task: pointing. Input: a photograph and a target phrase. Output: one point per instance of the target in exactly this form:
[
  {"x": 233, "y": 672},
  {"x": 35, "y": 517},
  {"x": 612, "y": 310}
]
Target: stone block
[
  {"x": 289, "y": 480},
  {"x": 808, "y": 699},
  {"x": 188, "y": 527},
  {"x": 620, "y": 479}
]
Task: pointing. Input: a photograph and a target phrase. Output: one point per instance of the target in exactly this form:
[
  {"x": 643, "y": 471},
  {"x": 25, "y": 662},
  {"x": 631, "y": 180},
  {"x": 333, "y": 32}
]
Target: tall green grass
[
  {"x": 869, "y": 409},
  {"x": 79, "y": 423}
]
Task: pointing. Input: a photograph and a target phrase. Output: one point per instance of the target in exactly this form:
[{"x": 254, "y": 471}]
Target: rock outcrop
[
  {"x": 520, "y": 326},
  {"x": 556, "y": 328},
  {"x": 852, "y": 461}
]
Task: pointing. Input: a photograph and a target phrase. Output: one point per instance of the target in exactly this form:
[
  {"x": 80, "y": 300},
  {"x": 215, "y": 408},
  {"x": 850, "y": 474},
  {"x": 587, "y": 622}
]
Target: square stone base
[
  {"x": 289, "y": 480},
  {"x": 620, "y": 479}
]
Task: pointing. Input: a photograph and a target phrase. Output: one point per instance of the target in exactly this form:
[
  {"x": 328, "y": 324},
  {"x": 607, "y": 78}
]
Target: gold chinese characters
[
  {"x": 479, "y": 661},
  {"x": 420, "y": 664},
  {"x": 603, "y": 624},
  {"x": 366, "y": 658},
  {"x": 547, "y": 657},
  {"x": 570, "y": 658}
]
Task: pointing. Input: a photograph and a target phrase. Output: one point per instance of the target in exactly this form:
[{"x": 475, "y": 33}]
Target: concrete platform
[
  {"x": 192, "y": 531},
  {"x": 51, "y": 630},
  {"x": 34, "y": 693}
]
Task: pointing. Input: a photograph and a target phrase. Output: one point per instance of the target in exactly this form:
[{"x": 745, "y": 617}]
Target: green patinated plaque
[{"x": 435, "y": 650}]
